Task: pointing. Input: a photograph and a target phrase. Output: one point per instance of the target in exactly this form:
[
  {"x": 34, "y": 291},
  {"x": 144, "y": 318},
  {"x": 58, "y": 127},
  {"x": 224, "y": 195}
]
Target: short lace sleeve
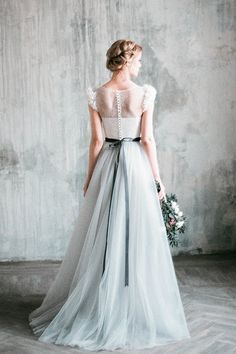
[
  {"x": 91, "y": 96},
  {"x": 149, "y": 96}
]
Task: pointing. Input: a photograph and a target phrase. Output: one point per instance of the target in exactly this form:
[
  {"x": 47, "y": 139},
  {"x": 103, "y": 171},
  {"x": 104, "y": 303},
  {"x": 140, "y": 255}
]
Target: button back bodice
[{"x": 121, "y": 110}]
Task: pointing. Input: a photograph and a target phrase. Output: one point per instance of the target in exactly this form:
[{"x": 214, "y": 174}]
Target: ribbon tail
[
  {"x": 126, "y": 217},
  {"x": 109, "y": 211},
  {"x": 126, "y": 225}
]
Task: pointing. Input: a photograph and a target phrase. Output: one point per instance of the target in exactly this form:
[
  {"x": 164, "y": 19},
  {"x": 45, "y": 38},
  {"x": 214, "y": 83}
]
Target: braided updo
[{"x": 120, "y": 53}]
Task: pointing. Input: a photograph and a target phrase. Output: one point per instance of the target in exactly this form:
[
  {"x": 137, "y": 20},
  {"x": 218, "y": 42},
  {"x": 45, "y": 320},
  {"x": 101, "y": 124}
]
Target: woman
[{"x": 116, "y": 287}]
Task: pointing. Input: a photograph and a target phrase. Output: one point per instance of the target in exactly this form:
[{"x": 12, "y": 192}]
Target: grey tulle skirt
[{"x": 92, "y": 304}]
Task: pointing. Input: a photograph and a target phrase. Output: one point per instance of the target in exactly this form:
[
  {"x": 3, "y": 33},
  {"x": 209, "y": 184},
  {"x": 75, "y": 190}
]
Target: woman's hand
[
  {"x": 162, "y": 193},
  {"x": 86, "y": 184}
]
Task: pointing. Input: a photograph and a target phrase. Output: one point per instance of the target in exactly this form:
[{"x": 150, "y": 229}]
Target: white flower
[
  {"x": 180, "y": 213},
  {"x": 179, "y": 224},
  {"x": 176, "y": 208}
]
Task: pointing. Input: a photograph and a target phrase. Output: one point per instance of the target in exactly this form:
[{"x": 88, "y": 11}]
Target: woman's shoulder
[
  {"x": 146, "y": 88},
  {"x": 108, "y": 88},
  {"x": 92, "y": 90},
  {"x": 146, "y": 93},
  {"x": 92, "y": 97},
  {"x": 149, "y": 96}
]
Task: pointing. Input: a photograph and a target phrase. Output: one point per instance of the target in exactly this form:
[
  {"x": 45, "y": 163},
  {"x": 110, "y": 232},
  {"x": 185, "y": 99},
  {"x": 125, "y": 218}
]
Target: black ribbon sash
[{"x": 118, "y": 143}]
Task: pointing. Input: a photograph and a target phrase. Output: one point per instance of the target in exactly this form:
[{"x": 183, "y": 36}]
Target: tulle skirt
[{"x": 111, "y": 292}]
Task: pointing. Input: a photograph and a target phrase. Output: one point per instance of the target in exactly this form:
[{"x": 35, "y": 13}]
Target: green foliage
[{"x": 174, "y": 220}]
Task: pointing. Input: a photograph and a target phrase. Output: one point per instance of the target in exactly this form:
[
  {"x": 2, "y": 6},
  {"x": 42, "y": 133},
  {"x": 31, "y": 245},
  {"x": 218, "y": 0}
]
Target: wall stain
[
  {"x": 218, "y": 198},
  {"x": 9, "y": 160},
  {"x": 39, "y": 158},
  {"x": 226, "y": 15},
  {"x": 171, "y": 95}
]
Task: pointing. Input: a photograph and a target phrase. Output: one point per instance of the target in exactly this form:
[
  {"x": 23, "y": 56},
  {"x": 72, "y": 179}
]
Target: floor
[{"x": 207, "y": 285}]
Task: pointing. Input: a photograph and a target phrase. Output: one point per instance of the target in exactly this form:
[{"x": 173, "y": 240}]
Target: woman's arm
[
  {"x": 96, "y": 142},
  {"x": 148, "y": 141}
]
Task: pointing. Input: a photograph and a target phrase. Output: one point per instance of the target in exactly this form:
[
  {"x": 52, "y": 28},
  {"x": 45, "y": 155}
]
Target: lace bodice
[{"x": 121, "y": 110}]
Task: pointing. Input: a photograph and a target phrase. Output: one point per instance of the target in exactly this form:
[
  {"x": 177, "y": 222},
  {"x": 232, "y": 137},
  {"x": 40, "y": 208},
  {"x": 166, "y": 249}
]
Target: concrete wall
[{"x": 52, "y": 50}]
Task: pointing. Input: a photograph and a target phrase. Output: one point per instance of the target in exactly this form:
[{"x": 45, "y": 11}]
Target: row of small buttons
[{"x": 119, "y": 113}]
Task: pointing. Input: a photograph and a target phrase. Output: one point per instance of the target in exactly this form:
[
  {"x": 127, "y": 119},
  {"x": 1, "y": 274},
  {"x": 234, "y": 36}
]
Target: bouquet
[{"x": 174, "y": 219}]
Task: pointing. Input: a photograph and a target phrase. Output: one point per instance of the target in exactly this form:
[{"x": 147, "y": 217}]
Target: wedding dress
[{"x": 116, "y": 286}]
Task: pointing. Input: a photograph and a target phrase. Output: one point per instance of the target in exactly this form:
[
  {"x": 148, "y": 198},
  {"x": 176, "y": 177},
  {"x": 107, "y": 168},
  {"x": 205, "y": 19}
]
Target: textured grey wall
[{"x": 52, "y": 50}]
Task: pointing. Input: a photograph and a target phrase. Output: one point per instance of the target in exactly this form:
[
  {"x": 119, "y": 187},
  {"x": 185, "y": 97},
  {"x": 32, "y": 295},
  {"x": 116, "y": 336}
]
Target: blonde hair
[{"x": 120, "y": 53}]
